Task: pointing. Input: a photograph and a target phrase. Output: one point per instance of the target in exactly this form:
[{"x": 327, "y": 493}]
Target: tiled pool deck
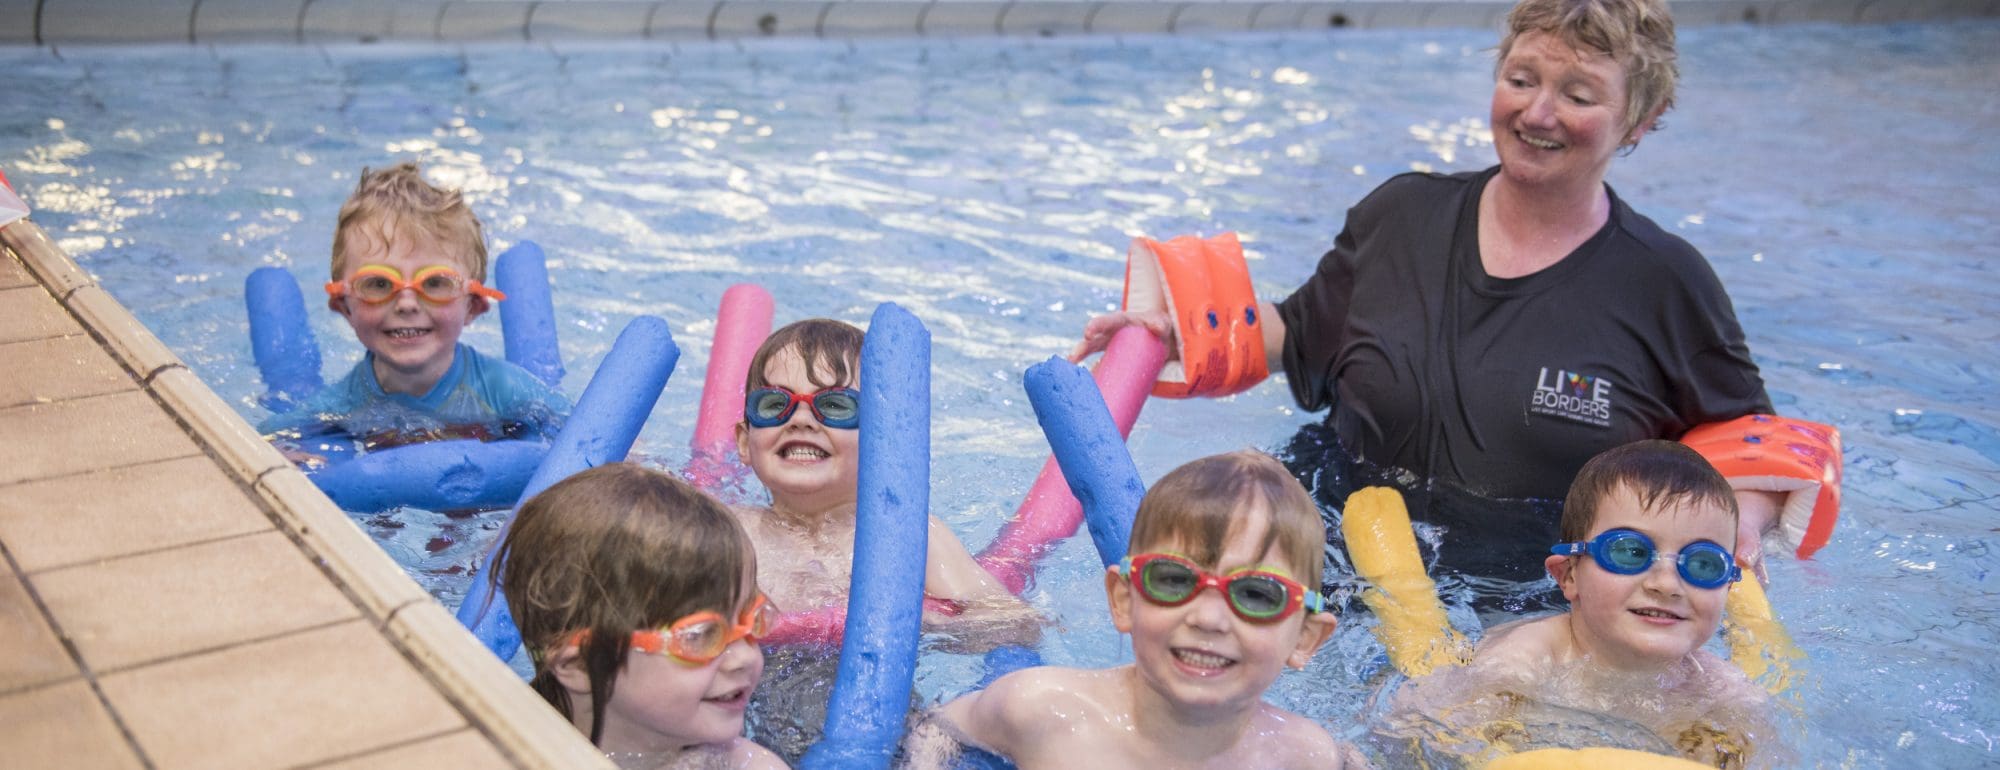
[{"x": 176, "y": 595}]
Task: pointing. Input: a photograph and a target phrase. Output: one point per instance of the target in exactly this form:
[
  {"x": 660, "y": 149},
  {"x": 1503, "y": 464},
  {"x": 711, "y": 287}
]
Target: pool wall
[{"x": 201, "y": 22}]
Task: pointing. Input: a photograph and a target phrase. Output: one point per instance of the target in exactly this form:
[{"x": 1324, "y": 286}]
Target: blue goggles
[
  {"x": 1703, "y": 564},
  {"x": 772, "y": 406}
]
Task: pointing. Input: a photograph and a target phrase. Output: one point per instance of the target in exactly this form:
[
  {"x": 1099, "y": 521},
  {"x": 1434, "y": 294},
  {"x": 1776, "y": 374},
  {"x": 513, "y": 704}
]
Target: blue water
[{"x": 1839, "y": 178}]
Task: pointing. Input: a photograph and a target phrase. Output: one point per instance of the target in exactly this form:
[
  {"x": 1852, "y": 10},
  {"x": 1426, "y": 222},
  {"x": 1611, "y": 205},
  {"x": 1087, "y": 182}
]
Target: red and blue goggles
[{"x": 772, "y": 406}]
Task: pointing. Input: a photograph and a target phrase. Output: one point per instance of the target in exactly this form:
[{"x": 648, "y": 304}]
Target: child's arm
[
  {"x": 950, "y": 573},
  {"x": 998, "y": 718}
]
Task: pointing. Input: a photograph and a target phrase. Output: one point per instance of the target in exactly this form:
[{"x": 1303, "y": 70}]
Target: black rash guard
[{"x": 1502, "y": 387}]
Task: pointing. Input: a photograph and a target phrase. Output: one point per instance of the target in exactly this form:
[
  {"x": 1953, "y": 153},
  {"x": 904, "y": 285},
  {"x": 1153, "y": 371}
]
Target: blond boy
[{"x": 408, "y": 272}]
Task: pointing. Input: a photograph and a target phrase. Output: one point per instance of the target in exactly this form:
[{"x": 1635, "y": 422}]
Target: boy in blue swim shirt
[{"x": 409, "y": 261}]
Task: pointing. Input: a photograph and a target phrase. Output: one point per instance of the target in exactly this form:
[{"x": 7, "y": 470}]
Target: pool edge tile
[
  {"x": 71, "y": 726},
  {"x": 348, "y": 553},
  {"x": 130, "y": 341},
  {"x": 221, "y": 428},
  {"x": 483, "y": 684}
]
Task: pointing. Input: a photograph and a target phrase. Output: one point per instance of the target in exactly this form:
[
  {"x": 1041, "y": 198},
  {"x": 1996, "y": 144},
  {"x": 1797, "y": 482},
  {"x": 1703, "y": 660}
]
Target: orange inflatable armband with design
[
  {"x": 1203, "y": 284},
  {"x": 1780, "y": 454}
]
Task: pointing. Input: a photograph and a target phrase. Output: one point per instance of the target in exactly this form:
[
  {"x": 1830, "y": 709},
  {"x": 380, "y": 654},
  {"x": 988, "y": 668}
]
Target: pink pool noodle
[
  {"x": 740, "y": 326},
  {"x": 1050, "y": 513}
]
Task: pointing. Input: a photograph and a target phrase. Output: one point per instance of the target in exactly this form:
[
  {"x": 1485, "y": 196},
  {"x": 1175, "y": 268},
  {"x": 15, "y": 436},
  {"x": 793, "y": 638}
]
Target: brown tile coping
[
  {"x": 312, "y": 647},
  {"x": 60, "y": 728},
  {"x": 201, "y": 597},
  {"x": 27, "y": 314},
  {"x": 462, "y": 750},
  {"x": 135, "y": 509},
  {"x": 232, "y": 709},
  {"x": 45, "y": 370},
  {"x": 34, "y": 656}
]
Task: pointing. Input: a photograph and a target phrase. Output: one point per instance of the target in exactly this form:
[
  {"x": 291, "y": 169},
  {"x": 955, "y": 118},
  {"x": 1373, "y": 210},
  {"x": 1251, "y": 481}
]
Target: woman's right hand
[{"x": 1097, "y": 334}]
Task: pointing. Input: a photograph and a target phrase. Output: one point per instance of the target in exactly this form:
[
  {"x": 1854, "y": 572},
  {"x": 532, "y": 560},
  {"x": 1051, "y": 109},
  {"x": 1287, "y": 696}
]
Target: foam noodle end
[{"x": 1413, "y": 624}]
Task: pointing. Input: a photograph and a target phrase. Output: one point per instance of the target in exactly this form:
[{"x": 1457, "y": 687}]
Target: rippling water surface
[{"x": 1839, "y": 178}]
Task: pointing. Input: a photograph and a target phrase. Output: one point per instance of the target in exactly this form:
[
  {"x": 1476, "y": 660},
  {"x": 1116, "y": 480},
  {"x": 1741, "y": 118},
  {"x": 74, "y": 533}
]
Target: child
[
  {"x": 637, "y": 595},
  {"x": 1646, "y": 563},
  {"x": 409, "y": 262},
  {"x": 1239, "y": 524},
  {"x": 800, "y": 435}
]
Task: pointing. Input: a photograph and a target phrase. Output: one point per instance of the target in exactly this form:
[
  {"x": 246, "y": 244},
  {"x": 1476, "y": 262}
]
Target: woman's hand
[
  {"x": 1097, "y": 334},
  {"x": 1757, "y": 514}
]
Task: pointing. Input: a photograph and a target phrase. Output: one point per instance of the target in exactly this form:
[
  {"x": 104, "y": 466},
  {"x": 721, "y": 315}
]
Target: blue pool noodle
[
  {"x": 600, "y": 430},
  {"x": 878, "y": 650},
  {"x": 281, "y": 341},
  {"x": 1093, "y": 457},
  {"x": 528, "y": 315},
  {"x": 1096, "y": 465},
  {"x": 463, "y": 474}
]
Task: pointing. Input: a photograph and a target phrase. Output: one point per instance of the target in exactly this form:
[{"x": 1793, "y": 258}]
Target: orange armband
[
  {"x": 1779, "y": 454},
  {"x": 1203, "y": 284}
]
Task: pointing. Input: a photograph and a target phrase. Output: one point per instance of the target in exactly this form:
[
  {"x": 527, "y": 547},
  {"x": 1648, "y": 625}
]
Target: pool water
[{"x": 1840, "y": 179}]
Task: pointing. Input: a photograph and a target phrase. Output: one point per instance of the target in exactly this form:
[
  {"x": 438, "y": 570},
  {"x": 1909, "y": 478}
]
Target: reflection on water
[{"x": 1834, "y": 176}]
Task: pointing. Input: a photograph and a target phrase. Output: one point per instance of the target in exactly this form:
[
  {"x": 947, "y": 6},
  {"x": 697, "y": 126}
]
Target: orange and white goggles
[
  {"x": 702, "y": 636},
  {"x": 436, "y": 284}
]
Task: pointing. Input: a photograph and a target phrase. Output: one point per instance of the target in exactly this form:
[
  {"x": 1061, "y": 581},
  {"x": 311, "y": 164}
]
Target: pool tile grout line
[
  {"x": 247, "y": 641},
  {"x": 88, "y": 471},
  {"x": 382, "y": 749},
  {"x": 88, "y": 676},
  {"x": 106, "y": 560}
]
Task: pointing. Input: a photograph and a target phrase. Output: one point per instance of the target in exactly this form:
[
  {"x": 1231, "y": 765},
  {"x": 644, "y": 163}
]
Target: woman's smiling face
[{"x": 1558, "y": 112}]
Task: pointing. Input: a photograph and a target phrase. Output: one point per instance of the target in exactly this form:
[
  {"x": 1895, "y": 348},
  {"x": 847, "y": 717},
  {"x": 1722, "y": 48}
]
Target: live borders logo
[{"x": 1580, "y": 397}]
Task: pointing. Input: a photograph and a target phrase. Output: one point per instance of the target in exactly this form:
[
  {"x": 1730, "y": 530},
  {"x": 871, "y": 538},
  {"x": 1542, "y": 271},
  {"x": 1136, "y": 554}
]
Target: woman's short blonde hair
[
  {"x": 396, "y": 201},
  {"x": 1638, "y": 34}
]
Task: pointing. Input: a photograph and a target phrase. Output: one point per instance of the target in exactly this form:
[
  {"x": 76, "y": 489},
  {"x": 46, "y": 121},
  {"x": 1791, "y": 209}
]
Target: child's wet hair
[
  {"x": 397, "y": 202},
  {"x": 823, "y": 343},
  {"x": 1661, "y": 474},
  {"x": 612, "y": 550},
  {"x": 1199, "y": 506}
]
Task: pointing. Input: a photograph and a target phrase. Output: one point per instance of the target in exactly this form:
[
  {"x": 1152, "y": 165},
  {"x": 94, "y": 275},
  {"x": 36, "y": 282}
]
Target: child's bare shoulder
[
  {"x": 746, "y": 755},
  {"x": 1033, "y": 695},
  {"x": 1523, "y": 644},
  {"x": 1286, "y": 739}
]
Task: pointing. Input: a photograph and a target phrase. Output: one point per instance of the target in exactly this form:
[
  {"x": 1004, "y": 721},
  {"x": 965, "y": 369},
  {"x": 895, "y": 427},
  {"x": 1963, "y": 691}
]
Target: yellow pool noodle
[
  {"x": 1591, "y": 759},
  {"x": 1758, "y": 643},
  {"x": 1413, "y": 623}
]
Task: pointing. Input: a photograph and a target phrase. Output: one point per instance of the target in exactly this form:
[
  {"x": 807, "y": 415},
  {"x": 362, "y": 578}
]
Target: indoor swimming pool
[{"x": 1839, "y": 179}]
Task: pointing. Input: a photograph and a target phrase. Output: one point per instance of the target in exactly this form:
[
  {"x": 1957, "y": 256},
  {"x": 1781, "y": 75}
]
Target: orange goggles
[
  {"x": 437, "y": 284},
  {"x": 701, "y": 637}
]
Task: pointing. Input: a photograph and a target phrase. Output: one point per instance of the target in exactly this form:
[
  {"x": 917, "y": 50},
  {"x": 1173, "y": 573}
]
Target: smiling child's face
[
  {"x": 412, "y": 339},
  {"x": 1653, "y": 619},
  {"x": 661, "y": 703},
  {"x": 807, "y": 466},
  {"x": 1201, "y": 657}
]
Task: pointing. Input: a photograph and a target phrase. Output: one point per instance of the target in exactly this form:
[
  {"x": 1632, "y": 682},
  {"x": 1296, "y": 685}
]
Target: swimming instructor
[{"x": 1480, "y": 335}]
